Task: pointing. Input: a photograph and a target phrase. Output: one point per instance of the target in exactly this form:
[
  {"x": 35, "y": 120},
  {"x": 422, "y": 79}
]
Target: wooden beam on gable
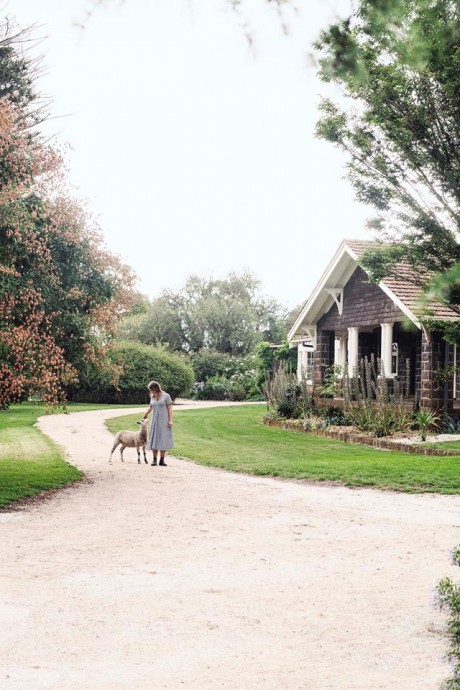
[{"x": 337, "y": 295}]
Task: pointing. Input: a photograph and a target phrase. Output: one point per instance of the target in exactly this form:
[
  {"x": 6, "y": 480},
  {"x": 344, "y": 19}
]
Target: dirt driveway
[{"x": 188, "y": 577}]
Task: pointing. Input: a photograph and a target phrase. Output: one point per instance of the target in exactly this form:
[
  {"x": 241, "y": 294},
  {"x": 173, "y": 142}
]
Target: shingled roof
[
  {"x": 404, "y": 286},
  {"x": 402, "y": 289}
]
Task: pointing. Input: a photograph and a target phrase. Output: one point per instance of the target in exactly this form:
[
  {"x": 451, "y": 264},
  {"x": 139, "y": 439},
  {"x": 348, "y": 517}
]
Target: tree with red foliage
[{"x": 61, "y": 290}]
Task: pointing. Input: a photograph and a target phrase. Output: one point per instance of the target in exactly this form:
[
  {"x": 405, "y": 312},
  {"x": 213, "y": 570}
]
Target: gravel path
[{"x": 188, "y": 577}]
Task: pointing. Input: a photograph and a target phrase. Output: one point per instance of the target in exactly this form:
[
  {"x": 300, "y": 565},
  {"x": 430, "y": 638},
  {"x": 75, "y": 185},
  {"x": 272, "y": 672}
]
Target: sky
[{"x": 194, "y": 149}]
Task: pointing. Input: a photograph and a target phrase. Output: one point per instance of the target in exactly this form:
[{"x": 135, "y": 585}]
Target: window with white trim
[{"x": 306, "y": 353}]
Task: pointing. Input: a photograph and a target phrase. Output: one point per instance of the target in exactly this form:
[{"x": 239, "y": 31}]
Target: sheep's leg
[
  {"x": 138, "y": 456},
  {"x": 121, "y": 453},
  {"x": 145, "y": 457},
  {"x": 113, "y": 448}
]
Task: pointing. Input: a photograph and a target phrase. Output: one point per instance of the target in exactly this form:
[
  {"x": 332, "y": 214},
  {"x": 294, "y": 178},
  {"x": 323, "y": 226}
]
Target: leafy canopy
[
  {"x": 61, "y": 291},
  {"x": 398, "y": 63},
  {"x": 227, "y": 315}
]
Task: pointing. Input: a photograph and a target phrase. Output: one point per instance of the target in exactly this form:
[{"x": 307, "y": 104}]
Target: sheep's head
[{"x": 143, "y": 422}]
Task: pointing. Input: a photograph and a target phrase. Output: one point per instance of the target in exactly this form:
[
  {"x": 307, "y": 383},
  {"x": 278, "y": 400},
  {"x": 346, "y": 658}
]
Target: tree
[
  {"x": 227, "y": 316},
  {"x": 61, "y": 291},
  {"x": 399, "y": 67}
]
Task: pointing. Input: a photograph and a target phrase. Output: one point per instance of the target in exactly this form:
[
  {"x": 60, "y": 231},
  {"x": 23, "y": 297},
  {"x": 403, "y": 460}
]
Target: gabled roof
[{"x": 402, "y": 290}]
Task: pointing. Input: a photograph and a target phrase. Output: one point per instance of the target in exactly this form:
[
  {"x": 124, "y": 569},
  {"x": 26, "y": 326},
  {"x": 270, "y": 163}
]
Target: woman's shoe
[
  {"x": 162, "y": 462},
  {"x": 154, "y": 461}
]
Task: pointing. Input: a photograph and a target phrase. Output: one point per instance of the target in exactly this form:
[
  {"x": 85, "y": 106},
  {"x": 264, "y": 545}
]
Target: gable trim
[
  {"x": 405, "y": 310},
  {"x": 323, "y": 282}
]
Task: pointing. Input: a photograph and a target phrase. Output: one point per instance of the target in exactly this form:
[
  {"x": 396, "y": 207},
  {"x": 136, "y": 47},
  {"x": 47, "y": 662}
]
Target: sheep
[{"x": 132, "y": 439}]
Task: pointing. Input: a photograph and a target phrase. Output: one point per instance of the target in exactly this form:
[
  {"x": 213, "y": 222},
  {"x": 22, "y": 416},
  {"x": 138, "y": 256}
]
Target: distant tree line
[{"x": 226, "y": 315}]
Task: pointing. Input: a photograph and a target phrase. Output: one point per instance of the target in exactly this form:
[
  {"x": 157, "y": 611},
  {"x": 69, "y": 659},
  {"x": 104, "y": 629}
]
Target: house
[{"x": 347, "y": 318}]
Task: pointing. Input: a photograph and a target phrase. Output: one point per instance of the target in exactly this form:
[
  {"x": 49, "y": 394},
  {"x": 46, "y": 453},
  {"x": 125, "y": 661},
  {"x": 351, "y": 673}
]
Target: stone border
[{"x": 361, "y": 439}]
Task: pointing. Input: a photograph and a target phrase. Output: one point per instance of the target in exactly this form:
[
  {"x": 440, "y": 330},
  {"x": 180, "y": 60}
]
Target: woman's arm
[
  {"x": 170, "y": 415},
  {"x": 148, "y": 412}
]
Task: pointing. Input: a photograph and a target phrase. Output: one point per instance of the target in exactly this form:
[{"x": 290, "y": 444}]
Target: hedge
[{"x": 140, "y": 364}]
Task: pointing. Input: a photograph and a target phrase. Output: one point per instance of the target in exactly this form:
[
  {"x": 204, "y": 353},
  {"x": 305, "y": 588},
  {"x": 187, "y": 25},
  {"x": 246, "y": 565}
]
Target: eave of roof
[
  {"x": 402, "y": 290},
  {"x": 344, "y": 258}
]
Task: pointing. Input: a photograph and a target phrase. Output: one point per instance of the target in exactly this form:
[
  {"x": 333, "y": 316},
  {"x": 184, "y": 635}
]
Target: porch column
[
  {"x": 323, "y": 356},
  {"x": 433, "y": 358},
  {"x": 340, "y": 353},
  {"x": 352, "y": 349},
  {"x": 299, "y": 362},
  {"x": 385, "y": 347}
]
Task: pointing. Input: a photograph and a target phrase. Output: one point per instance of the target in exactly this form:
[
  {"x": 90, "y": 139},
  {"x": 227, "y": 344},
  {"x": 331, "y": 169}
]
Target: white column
[
  {"x": 352, "y": 349},
  {"x": 337, "y": 352},
  {"x": 455, "y": 373},
  {"x": 343, "y": 346},
  {"x": 299, "y": 362},
  {"x": 385, "y": 347},
  {"x": 340, "y": 353}
]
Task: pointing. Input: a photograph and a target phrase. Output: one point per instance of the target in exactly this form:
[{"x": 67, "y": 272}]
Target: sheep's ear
[{"x": 138, "y": 422}]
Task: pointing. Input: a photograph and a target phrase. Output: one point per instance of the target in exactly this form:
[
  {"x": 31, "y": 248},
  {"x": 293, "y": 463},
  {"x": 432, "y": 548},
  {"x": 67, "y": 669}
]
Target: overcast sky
[{"x": 196, "y": 152}]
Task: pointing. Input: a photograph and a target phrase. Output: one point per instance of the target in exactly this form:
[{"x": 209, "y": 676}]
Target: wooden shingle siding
[{"x": 364, "y": 304}]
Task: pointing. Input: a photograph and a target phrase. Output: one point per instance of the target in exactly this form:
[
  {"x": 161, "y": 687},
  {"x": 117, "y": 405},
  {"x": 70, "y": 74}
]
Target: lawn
[
  {"x": 29, "y": 461},
  {"x": 235, "y": 439},
  {"x": 445, "y": 445}
]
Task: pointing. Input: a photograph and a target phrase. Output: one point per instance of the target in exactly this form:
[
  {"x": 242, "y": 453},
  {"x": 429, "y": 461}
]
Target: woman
[{"x": 160, "y": 434}]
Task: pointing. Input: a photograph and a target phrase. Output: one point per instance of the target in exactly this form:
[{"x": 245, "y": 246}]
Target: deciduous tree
[
  {"x": 227, "y": 315},
  {"x": 399, "y": 68},
  {"x": 61, "y": 291}
]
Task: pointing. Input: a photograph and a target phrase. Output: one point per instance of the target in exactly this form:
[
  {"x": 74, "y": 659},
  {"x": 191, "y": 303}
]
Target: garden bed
[{"x": 351, "y": 435}]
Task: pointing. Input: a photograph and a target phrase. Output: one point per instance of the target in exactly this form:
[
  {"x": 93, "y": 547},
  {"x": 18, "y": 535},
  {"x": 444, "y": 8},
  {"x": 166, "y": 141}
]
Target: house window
[
  {"x": 394, "y": 359},
  {"x": 306, "y": 360},
  {"x": 307, "y": 365}
]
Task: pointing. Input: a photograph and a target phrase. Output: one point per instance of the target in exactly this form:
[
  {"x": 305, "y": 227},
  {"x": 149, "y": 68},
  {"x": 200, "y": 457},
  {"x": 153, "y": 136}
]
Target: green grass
[
  {"x": 30, "y": 462},
  {"x": 235, "y": 439},
  {"x": 447, "y": 445}
]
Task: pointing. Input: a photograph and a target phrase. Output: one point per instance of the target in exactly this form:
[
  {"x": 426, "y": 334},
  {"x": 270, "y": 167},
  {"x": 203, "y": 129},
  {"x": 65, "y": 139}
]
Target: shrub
[
  {"x": 289, "y": 397},
  {"x": 218, "y": 388},
  {"x": 215, "y": 388},
  {"x": 287, "y": 407},
  {"x": 425, "y": 420},
  {"x": 223, "y": 377},
  {"x": 270, "y": 358},
  {"x": 237, "y": 392},
  {"x": 208, "y": 363},
  {"x": 332, "y": 385},
  {"x": 281, "y": 393},
  {"x": 448, "y": 599},
  {"x": 307, "y": 423},
  {"x": 449, "y": 425},
  {"x": 334, "y": 416},
  {"x": 305, "y": 404},
  {"x": 138, "y": 364},
  {"x": 369, "y": 403},
  {"x": 320, "y": 424}
]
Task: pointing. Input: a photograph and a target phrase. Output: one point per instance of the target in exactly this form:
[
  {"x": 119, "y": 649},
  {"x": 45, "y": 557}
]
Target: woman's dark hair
[{"x": 154, "y": 387}]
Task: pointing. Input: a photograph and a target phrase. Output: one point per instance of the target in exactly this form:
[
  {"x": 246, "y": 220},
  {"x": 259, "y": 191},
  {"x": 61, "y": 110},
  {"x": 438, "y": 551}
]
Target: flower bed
[{"x": 351, "y": 435}]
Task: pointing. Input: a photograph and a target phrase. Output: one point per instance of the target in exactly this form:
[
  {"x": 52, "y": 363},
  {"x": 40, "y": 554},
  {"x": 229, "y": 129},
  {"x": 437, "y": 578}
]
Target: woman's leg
[
  {"x": 154, "y": 456},
  {"x": 162, "y": 458}
]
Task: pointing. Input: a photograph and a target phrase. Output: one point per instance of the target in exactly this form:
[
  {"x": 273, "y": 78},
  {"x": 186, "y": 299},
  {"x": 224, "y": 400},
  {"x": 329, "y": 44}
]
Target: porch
[{"x": 425, "y": 366}]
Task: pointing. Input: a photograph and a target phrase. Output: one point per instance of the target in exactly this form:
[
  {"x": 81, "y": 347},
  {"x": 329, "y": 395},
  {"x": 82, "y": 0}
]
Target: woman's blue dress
[{"x": 160, "y": 434}]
